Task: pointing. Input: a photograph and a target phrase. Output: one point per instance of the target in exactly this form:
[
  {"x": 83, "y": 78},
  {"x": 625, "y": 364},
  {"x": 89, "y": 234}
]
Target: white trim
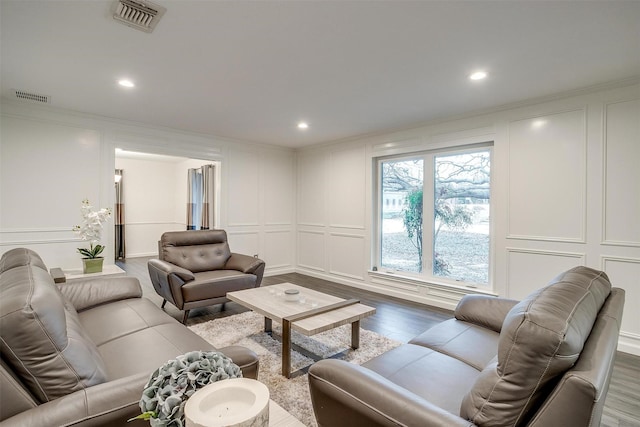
[
  {"x": 311, "y": 224},
  {"x": 351, "y": 227},
  {"x": 629, "y": 343},
  {"x": 603, "y": 229},
  {"x": 583, "y": 229}
]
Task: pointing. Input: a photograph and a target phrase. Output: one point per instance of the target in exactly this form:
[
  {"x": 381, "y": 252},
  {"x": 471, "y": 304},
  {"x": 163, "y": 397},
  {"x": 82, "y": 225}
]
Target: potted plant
[{"x": 91, "y": 230}]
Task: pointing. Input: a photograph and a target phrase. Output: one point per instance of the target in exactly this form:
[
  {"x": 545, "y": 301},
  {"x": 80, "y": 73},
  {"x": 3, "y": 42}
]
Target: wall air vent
[
  {"x": 32, "y": 97},
  {"x": 140, "y": 14}
]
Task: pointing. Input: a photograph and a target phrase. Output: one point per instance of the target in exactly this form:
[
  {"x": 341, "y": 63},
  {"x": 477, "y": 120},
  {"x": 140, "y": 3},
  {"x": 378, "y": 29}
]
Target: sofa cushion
[
  {"x": 42, "y": 338},
  {"x": 472, "y": 344},
  {"x": 112, "y": 321},
  {"x": 216, "y": 284},
  {"x": 435, "y": 377},
  {"x": 541, "y": 338}
]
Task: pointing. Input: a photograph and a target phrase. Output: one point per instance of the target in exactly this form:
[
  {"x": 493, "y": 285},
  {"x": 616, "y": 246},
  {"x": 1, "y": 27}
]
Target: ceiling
[{"x": 251, "y": 70}]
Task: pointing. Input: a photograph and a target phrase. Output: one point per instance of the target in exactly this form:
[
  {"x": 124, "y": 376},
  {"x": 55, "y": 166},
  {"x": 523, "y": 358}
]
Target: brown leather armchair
[
  {"x": 196, "y": 269},
  {"x": 545, "y": 361}
]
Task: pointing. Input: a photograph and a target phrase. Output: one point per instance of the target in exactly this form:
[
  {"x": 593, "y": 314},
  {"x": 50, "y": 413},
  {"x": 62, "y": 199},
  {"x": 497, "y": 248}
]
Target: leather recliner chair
[
  {"x": 545, "y": 361},
  {"x": 196, "y": 269}
]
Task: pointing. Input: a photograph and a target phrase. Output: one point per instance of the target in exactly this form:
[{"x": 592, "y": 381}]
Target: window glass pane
[
  {"x": 401, "y": 215},
  {"x": 461, "y": 220}
]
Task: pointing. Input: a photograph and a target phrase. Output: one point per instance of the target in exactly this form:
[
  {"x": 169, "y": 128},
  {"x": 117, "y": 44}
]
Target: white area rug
[{"x": 247, "y": 330}]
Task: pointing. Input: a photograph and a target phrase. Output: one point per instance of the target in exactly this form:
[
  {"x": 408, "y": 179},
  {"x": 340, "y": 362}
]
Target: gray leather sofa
[
  {"x": 196, "y": 269},
  {"x": 80, "y": 353},
  {"x": 545, "y": 361}
]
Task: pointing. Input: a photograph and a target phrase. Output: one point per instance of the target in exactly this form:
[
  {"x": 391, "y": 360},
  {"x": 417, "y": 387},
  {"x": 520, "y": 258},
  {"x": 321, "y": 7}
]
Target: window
[{"x": 438, "y": 223}]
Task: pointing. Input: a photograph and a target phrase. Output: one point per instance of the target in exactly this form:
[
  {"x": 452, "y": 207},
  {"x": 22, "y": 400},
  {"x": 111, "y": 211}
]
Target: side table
[{"x": 110, "y": 270}]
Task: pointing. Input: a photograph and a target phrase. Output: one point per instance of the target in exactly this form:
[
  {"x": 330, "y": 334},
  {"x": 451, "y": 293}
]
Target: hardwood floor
[{"x": 402, "y": 320}]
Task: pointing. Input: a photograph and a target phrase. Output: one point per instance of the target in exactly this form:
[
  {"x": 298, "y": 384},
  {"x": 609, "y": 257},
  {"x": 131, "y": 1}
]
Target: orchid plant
[{"x": 91, "y": 228}]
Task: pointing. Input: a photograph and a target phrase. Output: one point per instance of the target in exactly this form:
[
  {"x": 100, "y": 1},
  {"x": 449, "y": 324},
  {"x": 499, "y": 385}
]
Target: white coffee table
[
  {"x": 318, "y": 312},
  {"x": 279, "y": 417}
]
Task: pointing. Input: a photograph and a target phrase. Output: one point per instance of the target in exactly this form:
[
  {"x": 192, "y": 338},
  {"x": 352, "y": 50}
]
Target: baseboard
[
  {"x": 143, "y": 255},
  {"x": 383, "y": 290},
  {"x": 278, "y": 270},
  {"x": 629, "y": 343}
]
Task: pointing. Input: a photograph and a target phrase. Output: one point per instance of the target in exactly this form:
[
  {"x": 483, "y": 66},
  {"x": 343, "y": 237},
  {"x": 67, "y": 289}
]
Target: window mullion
[{"x": 427, "y": 216}]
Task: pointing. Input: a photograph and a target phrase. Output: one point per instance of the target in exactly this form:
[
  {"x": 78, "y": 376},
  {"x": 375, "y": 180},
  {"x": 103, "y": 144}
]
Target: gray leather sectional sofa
[
  {"x": 80, "y": 353},
  {"x": 545, "y": 361}
]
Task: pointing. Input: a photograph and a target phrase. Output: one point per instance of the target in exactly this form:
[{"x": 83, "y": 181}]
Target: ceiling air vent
[
  {"x": 140, "y": 14},
  {"x": 32, "y": 97}
]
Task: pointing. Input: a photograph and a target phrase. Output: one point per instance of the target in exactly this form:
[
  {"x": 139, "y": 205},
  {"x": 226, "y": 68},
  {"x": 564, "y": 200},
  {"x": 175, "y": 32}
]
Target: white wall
[
  {"x": 311, "y": 211},
  {"x": 564, "y": 193},
  {"x": 51, "y": 159},
  {"x": 154, "y": 200}
]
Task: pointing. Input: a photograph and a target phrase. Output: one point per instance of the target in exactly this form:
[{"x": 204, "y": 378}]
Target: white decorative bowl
[
  {"x": 291, "y": 295},
  {"x": 236, "y": 402}
]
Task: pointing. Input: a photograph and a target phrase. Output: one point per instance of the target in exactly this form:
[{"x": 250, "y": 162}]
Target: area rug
[{"x": 247, "y": 329}]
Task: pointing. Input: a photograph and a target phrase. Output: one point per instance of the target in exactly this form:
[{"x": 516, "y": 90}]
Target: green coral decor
[{"x": 166, "y": 393}]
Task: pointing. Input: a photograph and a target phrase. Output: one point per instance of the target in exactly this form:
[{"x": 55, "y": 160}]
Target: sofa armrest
[
  {"x": 244, "y": 263},
  {"x": 345, "y": 394},
  {"x": 92, "y": 292},
  {"x": 106, "y": 404},
  {"x": 245, "y": 358},
  {"x": 484, "y": 310}
]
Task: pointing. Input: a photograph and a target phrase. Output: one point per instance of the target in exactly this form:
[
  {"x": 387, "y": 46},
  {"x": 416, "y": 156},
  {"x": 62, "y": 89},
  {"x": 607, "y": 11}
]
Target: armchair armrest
[
  {"x": 106, "y": 404},
  {"x": 345, "y": 394},
  {"x": 244, "y": 263},
  {"x": 92, "y": 292},
  {"x": 484, "y": 310},
  {"x": 167, "y": 268}
]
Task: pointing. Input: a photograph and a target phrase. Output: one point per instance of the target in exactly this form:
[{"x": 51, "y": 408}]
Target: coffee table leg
[
  {"x": 355, "y": 334},
  {"x": 267, "y": 324},
  {"x": 286, "y": 348}
]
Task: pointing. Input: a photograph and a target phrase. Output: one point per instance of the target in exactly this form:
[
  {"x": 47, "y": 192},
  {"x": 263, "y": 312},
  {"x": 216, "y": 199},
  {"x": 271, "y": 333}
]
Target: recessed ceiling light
[
  {"x": 303, "y": 125},
  {"x": 126, "y": 83},
  {"x": 478, "y": 75}
]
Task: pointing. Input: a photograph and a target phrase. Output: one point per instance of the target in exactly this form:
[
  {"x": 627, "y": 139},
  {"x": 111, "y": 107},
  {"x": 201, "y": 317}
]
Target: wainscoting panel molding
[
  {"x": 528, "y": 269},
  {"x": 311, "y": 189},
  {"x": 311, "y": 250},
  {"x": 278, "y": 181},
  {"x": 278, "y": 249},
  {"x": 547, "y": 177},
  {"x": 621, "y": 157},
  {"x": 347, "y": 188},
  {"x": 346, "y": 255},
  {"x": 244, "y": 242},
  {"x": 243, "y": 188},
  {"x": 625, "y": 273}
]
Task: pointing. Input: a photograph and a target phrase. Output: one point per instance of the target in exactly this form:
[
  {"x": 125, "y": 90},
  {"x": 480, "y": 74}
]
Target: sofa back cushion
[
  {"x": 542, "y": 337},
  {"x": 196, "y": 250},
  {"x": 43, "y": 341},
  {"x": 20, "y": 256}
]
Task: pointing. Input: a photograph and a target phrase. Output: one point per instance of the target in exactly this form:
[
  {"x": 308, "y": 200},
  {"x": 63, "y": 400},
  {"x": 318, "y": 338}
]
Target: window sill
[{"x": 419, "y": 282}]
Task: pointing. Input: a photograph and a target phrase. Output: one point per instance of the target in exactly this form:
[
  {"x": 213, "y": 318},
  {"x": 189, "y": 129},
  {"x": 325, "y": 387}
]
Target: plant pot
[{"x": 92, "y": 265}]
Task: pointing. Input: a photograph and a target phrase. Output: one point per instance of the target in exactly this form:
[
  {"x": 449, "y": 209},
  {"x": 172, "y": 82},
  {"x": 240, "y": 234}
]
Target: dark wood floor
[{"x": 402, "y": 320}]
